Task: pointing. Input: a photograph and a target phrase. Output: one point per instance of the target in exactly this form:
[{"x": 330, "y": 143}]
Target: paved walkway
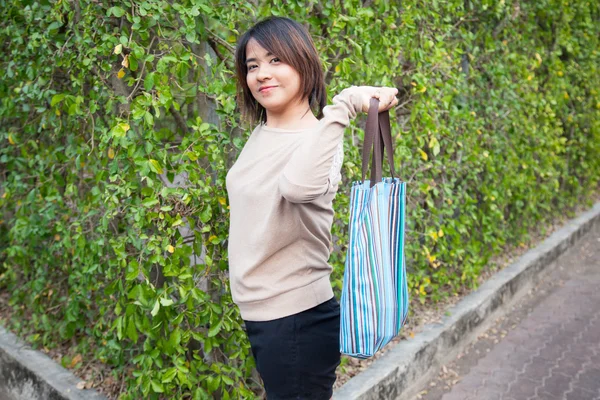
[{"x": 547, "y": 348}]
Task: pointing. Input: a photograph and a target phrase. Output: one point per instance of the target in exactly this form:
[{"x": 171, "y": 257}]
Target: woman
[{"x": 280, "y": 193}]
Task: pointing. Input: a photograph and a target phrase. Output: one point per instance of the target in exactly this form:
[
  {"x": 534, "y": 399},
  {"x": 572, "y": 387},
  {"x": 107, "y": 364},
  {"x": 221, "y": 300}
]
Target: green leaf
[
  {"x": 120, "y": 130},
  {"x": 132, "y": 273},
  {"x": 53, "y": 26},
  {"x": 155, "y": 309},
  {"x": 169, "y": 375},
  {"x": 214, "y": 330},
  {"x": 131, "y": 330},
  {"x": 149, "y": 81},
  {"x": 133, "y": 63},
  {"x": 175, "y": 338},
  {"x": 116, "y": 11},
  {"x": 149, "y": 202},
  {"x": 166, "y": 302},
  {"x": 206, "y": 214},
  {"x": 57, "y": 98},
  {"x": 157, "y": 387},
  {"x": 149, "y": 118},
  {"x": 213, "y": 383}
]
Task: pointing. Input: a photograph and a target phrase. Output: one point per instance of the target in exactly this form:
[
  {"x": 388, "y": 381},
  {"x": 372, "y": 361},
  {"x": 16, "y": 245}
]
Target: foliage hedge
[{"x": 118, "y": 123}]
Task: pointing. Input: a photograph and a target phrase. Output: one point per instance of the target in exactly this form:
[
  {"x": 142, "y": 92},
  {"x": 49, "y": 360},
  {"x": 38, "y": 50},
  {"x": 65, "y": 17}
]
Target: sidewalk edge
[{"x": 30, "y": 374}]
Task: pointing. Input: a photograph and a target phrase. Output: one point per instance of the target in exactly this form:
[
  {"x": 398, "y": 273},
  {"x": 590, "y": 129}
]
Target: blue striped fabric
[{"x": 374, "y": 302}]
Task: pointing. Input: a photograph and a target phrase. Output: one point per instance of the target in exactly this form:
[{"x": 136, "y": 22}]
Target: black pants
[{"x": 296, "y": 356}]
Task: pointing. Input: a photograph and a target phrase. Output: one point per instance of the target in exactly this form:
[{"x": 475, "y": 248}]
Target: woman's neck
[{"x": 294, "y": 117}]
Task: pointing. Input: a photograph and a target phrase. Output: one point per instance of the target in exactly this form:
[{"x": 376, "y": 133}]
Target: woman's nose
[{"x": 263, "y": 73}]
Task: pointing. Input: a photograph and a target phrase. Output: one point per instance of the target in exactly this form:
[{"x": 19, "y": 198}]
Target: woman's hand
[{"x": 386, "y": 95}]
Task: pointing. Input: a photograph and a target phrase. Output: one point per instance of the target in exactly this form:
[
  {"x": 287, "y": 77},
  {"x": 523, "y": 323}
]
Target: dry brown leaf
[{"x": 81, "y": 385}]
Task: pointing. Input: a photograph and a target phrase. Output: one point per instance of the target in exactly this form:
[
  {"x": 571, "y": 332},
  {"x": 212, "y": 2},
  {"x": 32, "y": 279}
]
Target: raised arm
[{"x": 306, "y": 175}]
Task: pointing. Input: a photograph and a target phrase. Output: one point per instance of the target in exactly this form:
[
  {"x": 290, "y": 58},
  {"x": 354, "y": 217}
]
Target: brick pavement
[{"x": 549, "y": 349}]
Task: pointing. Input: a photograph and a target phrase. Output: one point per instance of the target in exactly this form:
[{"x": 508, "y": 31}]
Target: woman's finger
[{"x": 387, "y": 103}]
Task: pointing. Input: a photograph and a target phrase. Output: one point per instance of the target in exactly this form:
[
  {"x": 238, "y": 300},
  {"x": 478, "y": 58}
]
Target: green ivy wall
[{"x": 118, "y": 123}]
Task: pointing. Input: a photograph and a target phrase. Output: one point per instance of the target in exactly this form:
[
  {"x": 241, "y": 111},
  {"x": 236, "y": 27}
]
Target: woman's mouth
[{"x": 266, "y": 89}]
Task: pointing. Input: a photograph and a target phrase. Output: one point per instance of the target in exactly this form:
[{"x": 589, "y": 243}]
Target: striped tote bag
[{"x": 374, "y": 301}]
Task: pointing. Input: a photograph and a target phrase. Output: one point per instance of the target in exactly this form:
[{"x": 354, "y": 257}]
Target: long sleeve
[{"x": 306, "y": 176}]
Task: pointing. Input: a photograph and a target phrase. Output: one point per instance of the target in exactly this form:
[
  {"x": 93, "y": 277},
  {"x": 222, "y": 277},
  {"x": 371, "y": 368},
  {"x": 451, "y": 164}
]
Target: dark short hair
[{"x": 293, "y": 45}]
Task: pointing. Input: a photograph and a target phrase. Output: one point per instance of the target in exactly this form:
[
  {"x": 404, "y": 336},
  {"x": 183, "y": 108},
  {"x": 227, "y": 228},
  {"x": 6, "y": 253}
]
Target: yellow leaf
[
  {"x": 566, "y": 95},
  {"x": 111, "y": 153},
  {"x": 121, "y": 73},
  {"x": 118, "y": 49},
  {"x": 440, "y": 233},
  {"x": 538, "y": 57},
  {"x": 77, "y": 359},
  {"x": 530, "y": 77},
  {"x": 423, "y": 155},
  {"x": 4, "y": 195},
  {"x": 222, "y": 201},
  {"x": 57, "y": 237},
  {"x": 560, "y": 73},
  {"x": 337, "y": 68},
  {"x": 422, "y": 89},
  {"x": 10, "y": 139},
  {"x": 125, "y": 126},
  {"x": 155, "y": 166},
  {"x": 412, "y": 335},
  {"x": 125, "y": 61},
  {"x": 211, "y": 238},
  {"x": 170, "y": 249},
  {"x": 57, "y": 112}
]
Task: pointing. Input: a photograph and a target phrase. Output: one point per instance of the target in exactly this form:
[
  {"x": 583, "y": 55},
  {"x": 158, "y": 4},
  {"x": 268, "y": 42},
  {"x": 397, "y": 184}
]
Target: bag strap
[{"x": 377, "y": 137}]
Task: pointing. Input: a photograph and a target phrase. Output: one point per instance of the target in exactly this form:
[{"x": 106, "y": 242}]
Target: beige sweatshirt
[{"x": 280, "y": 194}]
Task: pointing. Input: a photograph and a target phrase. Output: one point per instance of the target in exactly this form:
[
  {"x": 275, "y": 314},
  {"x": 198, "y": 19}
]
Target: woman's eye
[
  {"x": 250, "y": 67},
  {"x": 275, "y": 60}
]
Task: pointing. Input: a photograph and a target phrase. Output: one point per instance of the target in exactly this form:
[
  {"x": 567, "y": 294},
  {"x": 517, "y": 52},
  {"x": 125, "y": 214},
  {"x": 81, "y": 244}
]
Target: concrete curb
[
  {"x": 400, "y": 372},
  {"x": 27, "y": 374}
]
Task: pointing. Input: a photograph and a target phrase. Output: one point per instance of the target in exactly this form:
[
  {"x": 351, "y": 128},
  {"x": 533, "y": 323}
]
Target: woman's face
[{"x": 273, "y": 83}]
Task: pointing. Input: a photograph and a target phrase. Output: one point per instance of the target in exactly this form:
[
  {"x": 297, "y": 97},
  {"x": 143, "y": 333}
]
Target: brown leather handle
[{"x": 377, "y": 137}]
